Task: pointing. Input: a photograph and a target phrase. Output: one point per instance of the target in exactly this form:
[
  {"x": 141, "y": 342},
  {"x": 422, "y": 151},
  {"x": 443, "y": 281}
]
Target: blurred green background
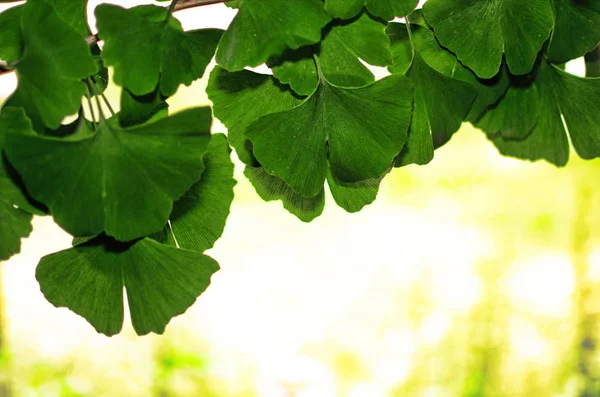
[{"x": 474, "y": 276}]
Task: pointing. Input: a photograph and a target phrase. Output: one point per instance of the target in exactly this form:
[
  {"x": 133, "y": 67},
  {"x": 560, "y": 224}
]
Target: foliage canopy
[{"x": 145, "y": 192}]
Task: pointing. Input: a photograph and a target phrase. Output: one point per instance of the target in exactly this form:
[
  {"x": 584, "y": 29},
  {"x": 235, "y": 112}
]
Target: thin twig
[{"x": 94, "y": 39}]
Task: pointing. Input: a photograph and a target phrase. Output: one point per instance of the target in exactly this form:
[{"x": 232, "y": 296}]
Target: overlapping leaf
[
  {"x": 554, "y": 93},
  {"x": 385, "y": 9},
  {"x": 52, "y": 66},
  {"x": 576, "y": 29},
  {"x": 161, "y": 282},
  {"x": 340, "y": 52},
  {"x": 241, "y": 97},
  {"x": 227, "y": 91},
  {"x": 11, "y": 45},
  {"x": 16, "y": 206},
  {"x": 147, "y": 47},
  {"x": 441, "y": 103},
  {"x": 480, "y": 32},
  {"x": 297, "y": 145},
  {"x": 198, "y": 217},
  {"x": 263, "y": 29},
  {"x": 119, "y": 181}
]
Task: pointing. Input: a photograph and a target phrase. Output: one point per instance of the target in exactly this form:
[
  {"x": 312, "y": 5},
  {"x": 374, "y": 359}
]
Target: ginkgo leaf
[
  {"x": 558, "y": 94},
  {"x": 147, "y": 47},
  {"x": 592, "y": 63},
  {"x": 340, "y": 52},
  {"x": 480, "y": 32},
  {"x": 12, "y": 189},
  {"x": 263, "y": 29},
  {"x": 271, "y": 188},
  {"x": 198, "y": 217},
  {"x": 74, "y": 12},
  {"x": 296, "y": 145},
  {"x": 385, "y": 9},
  {"x": 515, "y": 116},
  {"x": 52, "y": 66},
  {"x": 576, "y": 29},
  {"x": 138, "y": 109},
  {"x": 354, "y": 196},
  {"x": 15, "y": 224},
  {"x": 161, "y": 282},
  {"x": 239, "y": 98},
  {"x": 351, "y": 196},
  {"x": 441, "y": 103},
  {"x": 121, "y": 181},
  {"x": 11, "y": 45}
]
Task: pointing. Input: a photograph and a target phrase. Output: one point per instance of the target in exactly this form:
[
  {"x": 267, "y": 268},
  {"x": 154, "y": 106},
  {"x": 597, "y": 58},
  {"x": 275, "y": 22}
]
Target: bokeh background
[{"x": 476, "y": 275}]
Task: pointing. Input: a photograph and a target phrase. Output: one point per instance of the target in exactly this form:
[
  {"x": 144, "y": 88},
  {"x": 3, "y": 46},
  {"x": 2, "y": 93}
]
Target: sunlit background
[{"x": 473, "y": 276}]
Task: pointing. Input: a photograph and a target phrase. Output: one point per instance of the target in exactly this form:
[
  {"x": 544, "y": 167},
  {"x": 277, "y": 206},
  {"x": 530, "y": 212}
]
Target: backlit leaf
[
  {"x": 161, "y": 282},
  {"x": 119, "y": 181},
  {"x": 146, "y": 48}
]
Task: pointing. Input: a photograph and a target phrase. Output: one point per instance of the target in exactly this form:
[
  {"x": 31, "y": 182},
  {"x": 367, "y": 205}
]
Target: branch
[{"x": 94, "y": 39}]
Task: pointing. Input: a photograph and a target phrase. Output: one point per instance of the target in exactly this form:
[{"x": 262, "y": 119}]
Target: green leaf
[
  {"x": 73, "y": 12},
  {"x": 146, "y": 48},
  {"x": 199, "y": 216},
  {"x": 297, "y": 144},
  {"x": 385, "y": 9},
  {"x": 161, "y": 282},
  {"x": 12, "y": 191},
  {"x": 119, "y": 181},
  {"x": 263, "y": 29},
  {"x": 480, "y": 32},
  {"x": 11, "y": 45},
  {"x": 271, "y": 188},
  {"x": 592, "y": 63},
  {"x": 489, "y": 91},
  {"x": 558, "y": 93},
  {"x": 388, "y": 9},
  {"x": 239, "y": 98},
  {"x": 52, "y": 66},
  {"x": 441, "y": 103},
  {"x": 139, "y": 109},
  {"x": 15, "y": 224},
  {"x": 576, "y": 29},
  {"x": 515, "y": 116},
  {"x": 354, "y": 196},
  {"x": 351, "y": 196},
  {"x": 345, "y": 44}
]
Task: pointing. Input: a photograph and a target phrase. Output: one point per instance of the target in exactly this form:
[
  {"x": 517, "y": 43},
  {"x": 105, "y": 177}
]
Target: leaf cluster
[{"x": 145, "y": 193}]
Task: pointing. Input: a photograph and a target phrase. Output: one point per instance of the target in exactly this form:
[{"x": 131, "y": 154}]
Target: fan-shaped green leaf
[
  {"x": 119, "y": 181},
  {"x": 239, "y": 98},
  {"x": 340, "y": 52},
  {"x": 199, "y": 216},
  {"x": 146, "y": 48},
  {"x": 441, "y": 103},
  {"x": 479, "y": 32},
  {"x": 161, "y": 282},
  {"x": 52, "y": 66},
  {"x": 576, "y": 29},
  {"x": 265, "y": 28},
  {"x": 271, "y": 188},
  {"x": 297, "y": 144},
  {"x": 554, "y": 92}
]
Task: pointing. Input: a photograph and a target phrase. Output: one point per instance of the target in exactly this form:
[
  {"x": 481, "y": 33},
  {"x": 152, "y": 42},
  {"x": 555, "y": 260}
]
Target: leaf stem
[
  {"x": 410, "y": 36},
  {"x": 92, "y": 88},
  {"x": 171, "y": 9},
  {"x": 91, "y": 106}
]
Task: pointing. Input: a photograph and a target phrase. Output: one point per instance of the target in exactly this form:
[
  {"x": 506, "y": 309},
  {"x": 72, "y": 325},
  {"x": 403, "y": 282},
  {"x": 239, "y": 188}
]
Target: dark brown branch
[{"x": 94, "y": 39}]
